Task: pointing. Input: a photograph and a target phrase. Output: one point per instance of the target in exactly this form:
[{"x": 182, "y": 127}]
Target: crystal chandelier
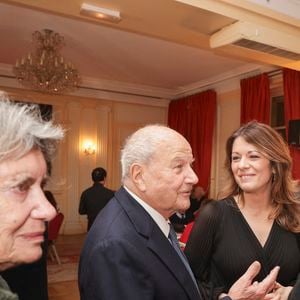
[{"x": 45, "y": 70}]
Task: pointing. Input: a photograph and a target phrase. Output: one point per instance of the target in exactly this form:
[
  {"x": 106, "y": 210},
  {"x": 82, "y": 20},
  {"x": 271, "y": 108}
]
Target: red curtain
[
  {"x": 255, "y": 99},
  {"x": 291, "y": 84},
  {"x": 194, "y": 117}
]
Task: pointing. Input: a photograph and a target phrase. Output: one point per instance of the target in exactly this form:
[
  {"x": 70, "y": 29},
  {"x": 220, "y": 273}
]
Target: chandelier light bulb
[{"x": 45, "y": 69}]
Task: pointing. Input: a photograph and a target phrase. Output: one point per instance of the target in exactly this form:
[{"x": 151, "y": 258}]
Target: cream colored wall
[
  {"x": 228, "y": 119},
  {"x": 107, "y": 123}
]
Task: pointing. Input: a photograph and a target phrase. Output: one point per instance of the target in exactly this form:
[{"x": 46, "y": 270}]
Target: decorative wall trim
[{"x": 147, "y": 95}]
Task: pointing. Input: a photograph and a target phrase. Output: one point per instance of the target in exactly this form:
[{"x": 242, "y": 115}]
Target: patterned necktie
[{"x": 174, "y": 241}]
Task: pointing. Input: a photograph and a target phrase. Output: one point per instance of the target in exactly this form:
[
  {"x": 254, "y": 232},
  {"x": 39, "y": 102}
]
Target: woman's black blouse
[{"x": 222, "y": 246}]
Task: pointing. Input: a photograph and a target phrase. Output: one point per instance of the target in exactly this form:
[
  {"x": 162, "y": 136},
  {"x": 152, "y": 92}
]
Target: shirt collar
[{"x": 161, "y": 222}]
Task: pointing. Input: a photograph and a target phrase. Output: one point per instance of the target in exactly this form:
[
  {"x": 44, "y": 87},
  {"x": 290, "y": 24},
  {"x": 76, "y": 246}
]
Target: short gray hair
[
  {"x": 142, "y": 145},
  {"x": 23, "y": 129}
]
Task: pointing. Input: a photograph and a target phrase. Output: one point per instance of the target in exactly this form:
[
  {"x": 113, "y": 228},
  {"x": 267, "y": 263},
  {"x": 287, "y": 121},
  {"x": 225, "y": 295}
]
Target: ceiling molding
[
  {"x": 127, "y": 92},
  {"x": 102, "y": 89},
  {"x": 127, "y": 88},
  {"x": 217, "y": 82},
  {"x": 94, "y": 93}
]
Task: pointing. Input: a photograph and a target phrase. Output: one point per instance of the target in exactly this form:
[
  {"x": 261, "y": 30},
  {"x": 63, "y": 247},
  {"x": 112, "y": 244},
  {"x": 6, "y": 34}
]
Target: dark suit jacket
[
  {"x": 93, "y": 200},
  {"x": 126, "y": 256},
  {"x": 295, "y": 293}
]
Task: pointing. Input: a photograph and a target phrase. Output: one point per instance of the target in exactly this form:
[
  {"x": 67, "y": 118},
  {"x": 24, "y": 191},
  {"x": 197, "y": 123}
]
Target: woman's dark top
[{"x": 222, "y": 246}]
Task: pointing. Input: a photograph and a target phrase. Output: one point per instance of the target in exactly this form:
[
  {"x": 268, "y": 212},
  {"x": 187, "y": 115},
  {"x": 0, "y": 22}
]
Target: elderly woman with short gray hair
[{"x": 27, "y": 143}]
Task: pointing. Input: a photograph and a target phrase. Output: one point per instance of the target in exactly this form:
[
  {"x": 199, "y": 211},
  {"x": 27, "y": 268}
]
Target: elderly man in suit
[{"x": 129, "y": 253}]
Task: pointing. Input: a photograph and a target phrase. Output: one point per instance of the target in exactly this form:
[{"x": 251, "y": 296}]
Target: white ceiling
[{"x": 111, "y": 57}]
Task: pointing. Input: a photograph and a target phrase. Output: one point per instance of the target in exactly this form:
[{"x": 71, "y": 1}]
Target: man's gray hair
[
  {"x": 23, "y": 129},
  {"x": 142, "y": 145}
]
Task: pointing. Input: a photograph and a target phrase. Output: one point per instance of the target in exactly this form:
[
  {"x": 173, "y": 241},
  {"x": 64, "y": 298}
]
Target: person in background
[
  {"x": 198, "y": 198},
  {"x": 131, "y": 251},
  {"x": 258, "y": 217},
  {"x": 26, "y": 144},
  {"x": 93, "y": 199},
  {"x": 180, "y": 219},
  {"x": 49, "y": 195}
]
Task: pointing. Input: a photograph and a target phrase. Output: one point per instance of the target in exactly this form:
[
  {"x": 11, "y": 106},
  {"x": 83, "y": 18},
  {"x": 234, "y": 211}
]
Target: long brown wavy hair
[{"x": 285, "y": 192}]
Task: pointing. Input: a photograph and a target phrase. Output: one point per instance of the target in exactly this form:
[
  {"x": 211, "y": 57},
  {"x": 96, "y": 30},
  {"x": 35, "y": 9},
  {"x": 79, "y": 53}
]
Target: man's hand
[
  {"x": 279, "y": 292},
  {"x": 244, "y": 289}
]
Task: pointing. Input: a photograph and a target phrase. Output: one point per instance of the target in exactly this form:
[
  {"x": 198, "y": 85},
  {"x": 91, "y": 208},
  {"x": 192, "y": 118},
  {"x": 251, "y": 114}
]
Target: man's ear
[{"x": 137, "y": 176}]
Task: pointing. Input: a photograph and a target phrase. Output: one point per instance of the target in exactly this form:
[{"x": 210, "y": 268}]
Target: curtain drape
[
  {"x": 194, "y": 117},
  {"x": 291, "y": 84},
  {"x": 255, "y": 99}
]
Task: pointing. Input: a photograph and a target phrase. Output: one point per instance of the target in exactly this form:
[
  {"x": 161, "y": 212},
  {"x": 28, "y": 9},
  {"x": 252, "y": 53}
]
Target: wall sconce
[{"x": 89, "y": 148}]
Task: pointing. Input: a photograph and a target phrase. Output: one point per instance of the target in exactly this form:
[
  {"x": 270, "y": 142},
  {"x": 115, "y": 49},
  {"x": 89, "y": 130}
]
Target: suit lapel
[
  {"x": 160, "y": 245},
  {"x": 157, "y": 241}
]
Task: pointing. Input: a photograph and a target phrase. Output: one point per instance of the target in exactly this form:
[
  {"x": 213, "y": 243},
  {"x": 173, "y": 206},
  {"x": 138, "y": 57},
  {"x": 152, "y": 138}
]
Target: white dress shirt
[{"x": 161, "y": 222}]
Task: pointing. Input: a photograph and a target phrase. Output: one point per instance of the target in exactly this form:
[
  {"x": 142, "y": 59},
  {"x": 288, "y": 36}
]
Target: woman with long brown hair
[{"x": 257, "y": 218}]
